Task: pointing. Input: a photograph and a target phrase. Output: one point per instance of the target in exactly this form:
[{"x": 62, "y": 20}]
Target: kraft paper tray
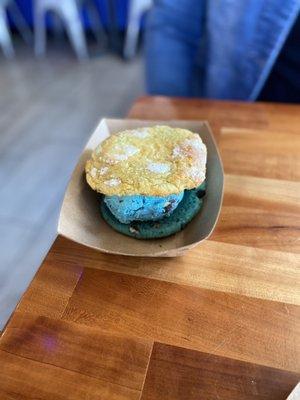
[{"x": 80, "y": 219}]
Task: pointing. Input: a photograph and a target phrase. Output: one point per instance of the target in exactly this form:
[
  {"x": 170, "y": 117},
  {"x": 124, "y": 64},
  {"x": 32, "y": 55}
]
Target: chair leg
[
  {"x": 131, "y": 39},
  {"x": 5, "y": 39},
  {"x": 20, "y": 23},
  {"x": 75, "y": 31},
  {"x": 39, "y": 31},
  {"x": 136, "y": 10},
  {"x": 95, "y": 22}
]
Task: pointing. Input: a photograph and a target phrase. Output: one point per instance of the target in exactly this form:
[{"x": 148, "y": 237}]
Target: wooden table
[{"x": 222, "y": 322}]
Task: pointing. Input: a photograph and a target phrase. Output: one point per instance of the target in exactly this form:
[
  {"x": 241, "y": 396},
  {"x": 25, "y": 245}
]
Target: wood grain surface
[
  {"x": 206, "y": 320},
  {"x": 222, "y": 322},
  {"x": 175, "y": 373},
  {"x": 255, "y": 272},
  {"x": 221, "y": 114},
  {"x": 113, "y": 358},
  {"x": 50, "y": 290},
  {"x": 22, "y": 378},
  {"x": 260, "y": 213},
  {"x": 261, "y": 153}
]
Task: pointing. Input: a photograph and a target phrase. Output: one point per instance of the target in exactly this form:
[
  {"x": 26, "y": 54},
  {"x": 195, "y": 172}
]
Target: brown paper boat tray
[{"x": 80, "y": 219}]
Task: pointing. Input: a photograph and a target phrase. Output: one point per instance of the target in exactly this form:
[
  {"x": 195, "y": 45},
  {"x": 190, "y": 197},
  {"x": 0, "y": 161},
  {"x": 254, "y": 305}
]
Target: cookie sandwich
[{"x": 151, "y": 180}]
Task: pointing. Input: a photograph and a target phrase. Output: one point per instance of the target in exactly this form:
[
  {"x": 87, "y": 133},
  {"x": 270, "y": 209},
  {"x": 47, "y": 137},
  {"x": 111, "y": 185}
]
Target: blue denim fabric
[{"x": 215, "y": 48}]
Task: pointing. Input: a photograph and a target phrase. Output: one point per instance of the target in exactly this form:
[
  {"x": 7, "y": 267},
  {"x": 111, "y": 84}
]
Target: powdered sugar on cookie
[
  {"x": 158, "y": 168},
  {"x": 124, "y": 152},
  {"x": 113, "y": 182},
  {"x": 140, "y": 133}
]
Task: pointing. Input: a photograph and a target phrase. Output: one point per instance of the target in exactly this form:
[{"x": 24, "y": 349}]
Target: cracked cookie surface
[{"x": 153, "y": 161}]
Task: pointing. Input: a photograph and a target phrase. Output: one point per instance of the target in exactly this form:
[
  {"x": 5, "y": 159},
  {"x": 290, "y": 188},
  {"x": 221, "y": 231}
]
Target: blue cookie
[
  {"x": 183, "y": 214},
  {"x": 142, "y": 208}
]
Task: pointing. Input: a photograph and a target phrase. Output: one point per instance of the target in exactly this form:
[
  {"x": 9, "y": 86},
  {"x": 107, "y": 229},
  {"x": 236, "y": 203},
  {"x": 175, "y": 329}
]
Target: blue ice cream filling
[{"x": 142, "y": 208}]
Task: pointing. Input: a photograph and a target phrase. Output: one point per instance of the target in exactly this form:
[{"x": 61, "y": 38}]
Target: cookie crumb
[
  {"x": 168, "y": 206},
  {"x": 134, "y": 229}
]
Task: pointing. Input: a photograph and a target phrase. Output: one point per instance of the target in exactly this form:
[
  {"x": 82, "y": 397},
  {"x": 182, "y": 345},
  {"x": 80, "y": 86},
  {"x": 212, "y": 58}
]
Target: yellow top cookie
[{"x": 155, "y": 161}]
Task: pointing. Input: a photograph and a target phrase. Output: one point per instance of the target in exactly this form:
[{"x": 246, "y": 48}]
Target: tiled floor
[{"x": 48, "y": 109}]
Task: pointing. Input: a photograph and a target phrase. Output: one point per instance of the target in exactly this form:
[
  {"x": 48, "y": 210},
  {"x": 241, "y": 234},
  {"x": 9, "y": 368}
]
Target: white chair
[
  {"x": 136, "y": 10},
  {"x": 5, "y": 39},
  {"x": 20, "y": 23},
  {"x": 68, "y": 11}
]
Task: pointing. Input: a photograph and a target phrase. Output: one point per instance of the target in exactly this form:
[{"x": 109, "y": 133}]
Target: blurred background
[
  {"x": 51, "y": 98},
  {"x": 64, "y": 64}
]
